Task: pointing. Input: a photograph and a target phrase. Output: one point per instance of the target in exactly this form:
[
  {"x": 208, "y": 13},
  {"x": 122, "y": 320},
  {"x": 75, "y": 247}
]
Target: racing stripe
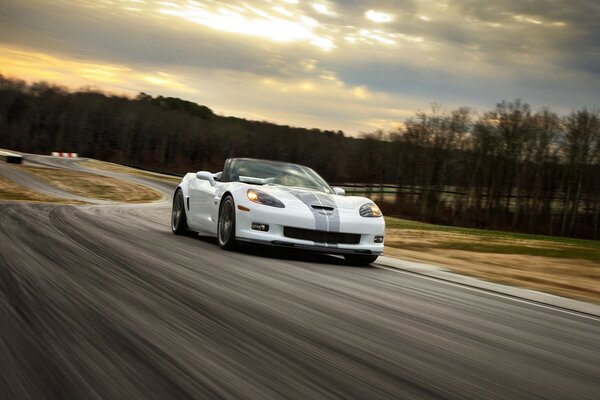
[
  {"x": 328, "y": 222},
  {"x": 310, "y": 198},
  {"x": 333, "y": 219}
]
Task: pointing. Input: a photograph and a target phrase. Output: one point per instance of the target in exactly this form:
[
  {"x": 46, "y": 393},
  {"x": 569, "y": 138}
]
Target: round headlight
[{"x": 370, "y": 210}]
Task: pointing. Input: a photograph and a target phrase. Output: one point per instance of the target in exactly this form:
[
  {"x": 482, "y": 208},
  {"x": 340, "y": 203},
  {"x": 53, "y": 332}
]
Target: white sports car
[{"x": 281, "y": 204}]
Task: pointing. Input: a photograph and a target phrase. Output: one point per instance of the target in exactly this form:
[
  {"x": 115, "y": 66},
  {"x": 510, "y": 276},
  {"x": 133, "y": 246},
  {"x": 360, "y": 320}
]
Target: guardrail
[{"x": 11, "y": 158}]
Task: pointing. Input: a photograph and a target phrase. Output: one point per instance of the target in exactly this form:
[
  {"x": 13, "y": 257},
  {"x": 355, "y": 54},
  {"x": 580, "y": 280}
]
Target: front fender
[{"x": 185, "y": 184}]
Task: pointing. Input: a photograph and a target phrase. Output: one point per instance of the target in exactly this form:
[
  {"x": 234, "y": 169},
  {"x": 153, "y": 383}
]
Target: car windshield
[{"x": 262, "y": 172}]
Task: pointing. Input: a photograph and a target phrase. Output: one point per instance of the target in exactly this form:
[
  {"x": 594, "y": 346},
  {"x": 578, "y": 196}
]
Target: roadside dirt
[{"x": 570, "y": 277}]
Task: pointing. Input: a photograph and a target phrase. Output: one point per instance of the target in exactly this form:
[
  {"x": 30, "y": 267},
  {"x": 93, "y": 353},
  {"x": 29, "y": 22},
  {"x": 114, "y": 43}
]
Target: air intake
[{"x": 321, "y": 236}]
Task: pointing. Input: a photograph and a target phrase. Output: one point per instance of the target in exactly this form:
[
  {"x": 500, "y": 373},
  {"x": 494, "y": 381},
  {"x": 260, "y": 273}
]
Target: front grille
[{"x": 321, "y": 236}]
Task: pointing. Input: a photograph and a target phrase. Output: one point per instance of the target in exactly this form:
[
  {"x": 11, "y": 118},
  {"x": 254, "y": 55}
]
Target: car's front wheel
[
  {"x": 360, "y": 259},
  {"x": 179, "y": 224},
  {"x": 226, "y": 225}
]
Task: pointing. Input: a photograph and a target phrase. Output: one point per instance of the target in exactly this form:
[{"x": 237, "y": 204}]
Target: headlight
[
  {"x": 370, "y": 210},
  {"x": 259, "y": 197}
]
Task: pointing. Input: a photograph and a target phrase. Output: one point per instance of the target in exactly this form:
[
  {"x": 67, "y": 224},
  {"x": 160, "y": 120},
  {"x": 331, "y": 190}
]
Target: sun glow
[
  {"x": 255, "y": 22},
  {"x": 38, "y": 65},
  {"x": 163, "y": 79},
  {"x": 119, "y": 78},
  {"x": 323, "y": 9},
  {"x": 379, "y": 17}
]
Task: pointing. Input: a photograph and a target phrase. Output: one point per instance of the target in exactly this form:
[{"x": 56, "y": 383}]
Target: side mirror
[
  {"x": 338, "y": 190},
  {"x": 206, "y": 176}
]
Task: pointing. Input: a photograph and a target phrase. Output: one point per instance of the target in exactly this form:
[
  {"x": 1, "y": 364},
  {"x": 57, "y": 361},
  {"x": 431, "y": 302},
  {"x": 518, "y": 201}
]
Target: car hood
[{"x": 291, "y": 195}]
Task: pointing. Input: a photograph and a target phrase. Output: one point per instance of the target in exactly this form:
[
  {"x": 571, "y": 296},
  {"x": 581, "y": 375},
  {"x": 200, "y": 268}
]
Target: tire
[
  {"x": 226, "y": 225},
  {"x": 359, "y": 259},
  {"x": 179, "y": 224}
]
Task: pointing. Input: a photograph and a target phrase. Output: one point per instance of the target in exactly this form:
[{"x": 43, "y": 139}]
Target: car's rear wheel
[
  {"x": 226, "y": 225},
  {"x": 360, "y": 259},
  {"x": 179, "y": 224}
]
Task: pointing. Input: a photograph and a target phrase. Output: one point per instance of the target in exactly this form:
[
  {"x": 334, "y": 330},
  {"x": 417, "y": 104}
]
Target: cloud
[
  {"x": 323, "y": 9},
  {"x": 251, "y": 21},
  {"x": 378, "y": 16},
  {"x": 372, "y": 55}
]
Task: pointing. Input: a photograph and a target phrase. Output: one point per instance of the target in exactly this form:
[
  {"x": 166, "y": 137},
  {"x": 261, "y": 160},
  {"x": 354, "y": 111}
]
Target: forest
[{"x": 511, "y": 168}]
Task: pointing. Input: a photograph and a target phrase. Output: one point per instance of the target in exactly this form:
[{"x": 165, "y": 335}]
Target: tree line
[{"x": 508, "y": 168}]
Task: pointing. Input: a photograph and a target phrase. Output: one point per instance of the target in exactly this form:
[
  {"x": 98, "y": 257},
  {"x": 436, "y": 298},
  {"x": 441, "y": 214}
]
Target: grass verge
[
  {"x": 95, "y": 186},
  {"x": 121, "y": 169},
  {"x": 562, "y": 266},
  {"x": 11, "y": 191}
]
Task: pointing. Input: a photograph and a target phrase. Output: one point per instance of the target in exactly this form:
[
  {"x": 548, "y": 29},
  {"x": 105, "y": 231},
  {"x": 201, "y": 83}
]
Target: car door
[{"x": 202, "y": 195}]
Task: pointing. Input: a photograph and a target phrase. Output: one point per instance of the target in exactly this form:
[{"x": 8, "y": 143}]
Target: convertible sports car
[{"x": 281, "y": 204}]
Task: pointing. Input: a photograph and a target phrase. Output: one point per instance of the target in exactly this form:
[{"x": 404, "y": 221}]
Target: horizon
[{"x": 331, "y": 65}]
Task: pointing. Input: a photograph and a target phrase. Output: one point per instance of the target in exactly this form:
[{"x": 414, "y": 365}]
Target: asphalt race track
[{"x": 105, "y": 302}]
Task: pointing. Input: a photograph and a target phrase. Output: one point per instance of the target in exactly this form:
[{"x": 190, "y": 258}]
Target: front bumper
[{"x": 298, "y": 216}]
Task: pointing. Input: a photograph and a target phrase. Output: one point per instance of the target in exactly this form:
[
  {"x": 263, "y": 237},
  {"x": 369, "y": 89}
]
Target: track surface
[{"x": 104, "y": 302}]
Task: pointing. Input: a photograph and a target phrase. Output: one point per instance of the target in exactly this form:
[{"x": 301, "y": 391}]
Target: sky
[{"x": 350, "y": 65}]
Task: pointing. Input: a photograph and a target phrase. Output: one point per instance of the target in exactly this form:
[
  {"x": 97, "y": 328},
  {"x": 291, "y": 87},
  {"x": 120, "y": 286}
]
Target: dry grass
[
  {"x": 95, "y": 186},
  {"x": 106, "y": 166},
  {"x": 11, "y": 191},
  {"x": 566, "y": 267}
]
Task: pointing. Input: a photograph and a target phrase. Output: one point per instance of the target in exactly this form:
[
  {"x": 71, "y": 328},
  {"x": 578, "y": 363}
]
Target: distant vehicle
[{"x": 281, "y": 204}]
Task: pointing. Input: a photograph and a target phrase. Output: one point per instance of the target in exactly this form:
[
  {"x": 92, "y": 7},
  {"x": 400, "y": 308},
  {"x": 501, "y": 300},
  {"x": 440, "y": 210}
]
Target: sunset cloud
[
  {"x": 380, "y": 17},
  {"x": 330, "y": 64}
]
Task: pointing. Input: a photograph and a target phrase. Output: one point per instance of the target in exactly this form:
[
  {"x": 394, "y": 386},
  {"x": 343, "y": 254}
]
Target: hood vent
[{"x": 324, "y": 210}]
